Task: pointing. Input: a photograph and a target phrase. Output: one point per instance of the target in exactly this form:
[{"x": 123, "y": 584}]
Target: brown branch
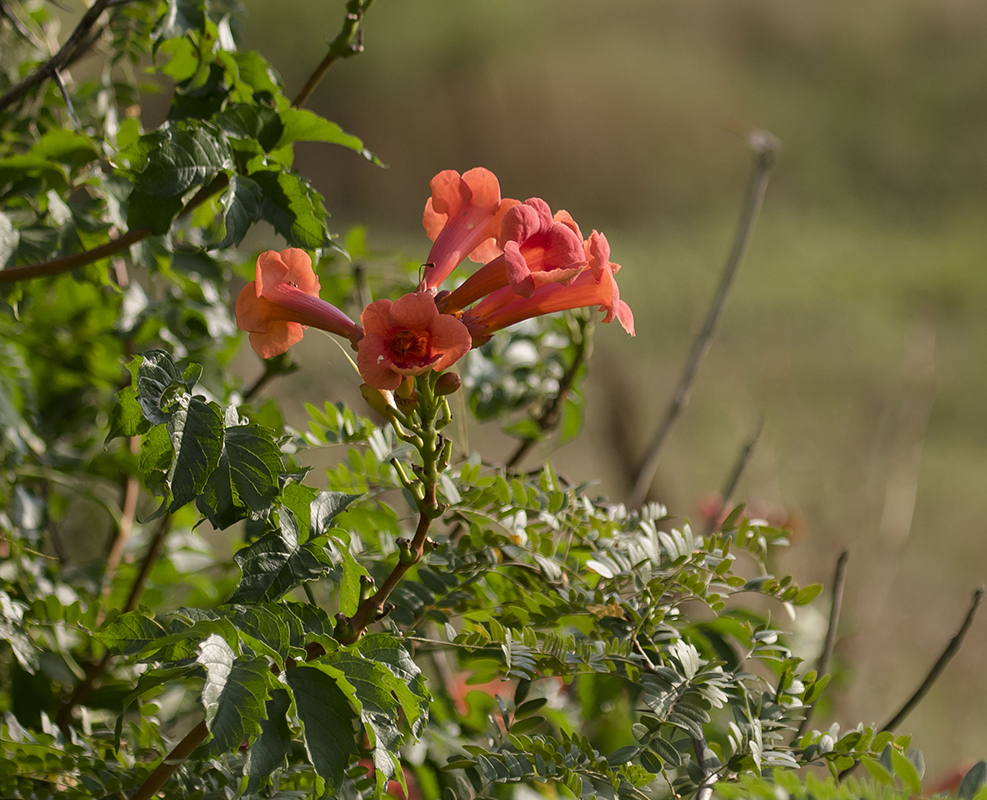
[
  {"x": 730, "y": 485},
  {"x": 51, "y": 67},
  {"x": 937, "y": 669},
  {"x": 839, "y": 583},
  {"x": 352, "y": 628},
  {"x": 94, "y": 672},
  {"x": 171, "y": 762},
  {"x": 550, "y": 417},
  {"x": 765, "y": 147},
  {"x": 947, "y": 655},
  {"x": 128, "y": 512}
]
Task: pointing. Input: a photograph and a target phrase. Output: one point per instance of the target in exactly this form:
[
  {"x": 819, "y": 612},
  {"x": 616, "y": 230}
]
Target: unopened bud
[
  {"x": 380, "y": 400},
  {"x": 447, "y": 383}
]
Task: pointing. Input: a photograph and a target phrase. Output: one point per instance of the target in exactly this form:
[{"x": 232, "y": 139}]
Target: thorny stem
[
  {"x": 765, "y": 147},
  {"x": 839, "y": 582},
  {"x": 342, "y": 46}
]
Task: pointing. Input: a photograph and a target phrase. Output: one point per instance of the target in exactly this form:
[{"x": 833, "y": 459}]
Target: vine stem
[
  {"x": 765, "y": 147},
  {"x": 351, "y": 27}
]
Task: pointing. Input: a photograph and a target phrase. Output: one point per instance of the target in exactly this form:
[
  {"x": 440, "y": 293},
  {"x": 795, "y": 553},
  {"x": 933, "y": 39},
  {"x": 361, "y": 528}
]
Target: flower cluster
[{"x": 534, "y": 263}]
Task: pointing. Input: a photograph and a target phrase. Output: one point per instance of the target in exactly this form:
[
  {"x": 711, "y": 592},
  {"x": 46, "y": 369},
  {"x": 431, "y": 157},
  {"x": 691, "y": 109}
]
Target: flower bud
[{"x": 447, "y": 383}]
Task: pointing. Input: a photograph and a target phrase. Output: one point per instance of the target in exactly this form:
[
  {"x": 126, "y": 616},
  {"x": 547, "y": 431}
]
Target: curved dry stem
[{"x": 765, "y": 147}]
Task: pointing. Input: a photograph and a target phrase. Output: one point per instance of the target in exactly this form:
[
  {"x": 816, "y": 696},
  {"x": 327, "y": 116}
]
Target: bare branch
[
  {"x": 348, "y": 42},
  {"x": 730, "y": 485},
  {"x": 51, "y": 67},
  {"x": 765, "y": 147},
  {"x": 839, "y": 583},
  {"x": 937, "y": 669}
]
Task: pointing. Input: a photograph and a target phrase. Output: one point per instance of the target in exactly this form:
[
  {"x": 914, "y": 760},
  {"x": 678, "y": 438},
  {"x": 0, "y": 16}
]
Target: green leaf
[
  {"x": 9, "y": 238},
  {"x": 328, "y": 721},
  {"x": 241, "y": 209},
  {"x": 276, "y": 563},
  {"x": 973, "y": 781},
  {"x": 254, "y": 122},
  {"x": 127, "y": 416},
  {"x": 302, "y": 125},
  {"x": 268, "y": 752},
  {"x": 130, "y": 632},
  {"x": 233, "y": 695},
  {"x": 197, "y": 438},
  {"x": 245, "y": 480},
  {"x": 408, "y": 683},
  {"x": 293, "y": 208},
  {"x": 180, "y": 158},
  {"x": 154, "y": 214},
  {"x": 349, "y": 585},
  {"x": 157, "y": 377},
  {"x": 12, "y": 631},
  {"x": 326, "y": 507}
]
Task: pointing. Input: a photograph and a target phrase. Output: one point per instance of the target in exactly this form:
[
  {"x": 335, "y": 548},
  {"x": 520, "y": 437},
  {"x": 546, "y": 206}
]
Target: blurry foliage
[{"x": 621, "y": 656}]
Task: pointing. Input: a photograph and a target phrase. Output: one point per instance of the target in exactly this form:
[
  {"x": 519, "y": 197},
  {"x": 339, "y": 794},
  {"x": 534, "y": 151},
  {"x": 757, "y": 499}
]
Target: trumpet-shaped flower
[
  {"x": 538, "y": 249},
  {"x": 408, "y": 337},
  {"x": 462, "y": 218},
  {"x": 594, "y": 286},
  {"x": 282, "y": 300}
]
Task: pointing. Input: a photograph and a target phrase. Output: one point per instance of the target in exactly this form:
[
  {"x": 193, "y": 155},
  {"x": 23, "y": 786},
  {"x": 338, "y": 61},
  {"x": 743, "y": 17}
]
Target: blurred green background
[{"x": 857, "y": 325}]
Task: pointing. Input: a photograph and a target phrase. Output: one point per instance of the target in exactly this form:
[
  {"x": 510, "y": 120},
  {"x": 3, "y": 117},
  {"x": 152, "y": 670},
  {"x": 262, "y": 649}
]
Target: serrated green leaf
[
  {"x": 181, "y": 158},
  {"x": 302, "y": 125},
  {"x": 268, "y": 752},
  {"x": 254, "y": 122},
  {"x": 276, "y": 563},
  {"x": 197, "y": 439},
  {"x": 155, "y": 214},
  {"x": 328, "y": 721},
  {"x": 233, "y": 695},
  {"x": 241, "y": 209},
  {"x": 156, "y": 377},
  {"x": 293, "y": 207},
  {"x": 130, "y": 632},
  {"x": 326, "y": 507},
  {"x": 245, "y": 480}
]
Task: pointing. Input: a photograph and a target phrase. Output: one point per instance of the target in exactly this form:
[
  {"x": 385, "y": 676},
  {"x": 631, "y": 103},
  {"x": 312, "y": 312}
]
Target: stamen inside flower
[{"x": 409, "y": 345}]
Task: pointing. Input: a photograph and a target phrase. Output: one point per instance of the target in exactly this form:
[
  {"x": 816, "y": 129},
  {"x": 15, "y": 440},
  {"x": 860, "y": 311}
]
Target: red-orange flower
[
  {"x": 538, "y": 249},
  {"x": 462, "y": 218},
  {"x": 594, "y": 286},
  {"x": 283, "y": 300},
  {"x": 408, "y": 337}
]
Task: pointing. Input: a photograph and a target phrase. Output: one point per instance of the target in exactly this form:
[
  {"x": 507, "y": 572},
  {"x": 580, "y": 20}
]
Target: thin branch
[
  {"x": 937, "y": 669},
  {"x": 730, "y": 485},
  {"x": 171, "y": 762},
  {"x": 549, "y": 418},
  {"x": 20, "y": 27},
  {"x": 839, "y": 583},
  {"x": 765, "y": 147},
  {"x": 947, "y": 655},
  {"x": 76, "y": 260},
  {"x": 348, "y": 42},
  {"x": 128, "y": 512},
  {"x": 94, "y": 672},
  {"x": 51, "y": 67}
]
